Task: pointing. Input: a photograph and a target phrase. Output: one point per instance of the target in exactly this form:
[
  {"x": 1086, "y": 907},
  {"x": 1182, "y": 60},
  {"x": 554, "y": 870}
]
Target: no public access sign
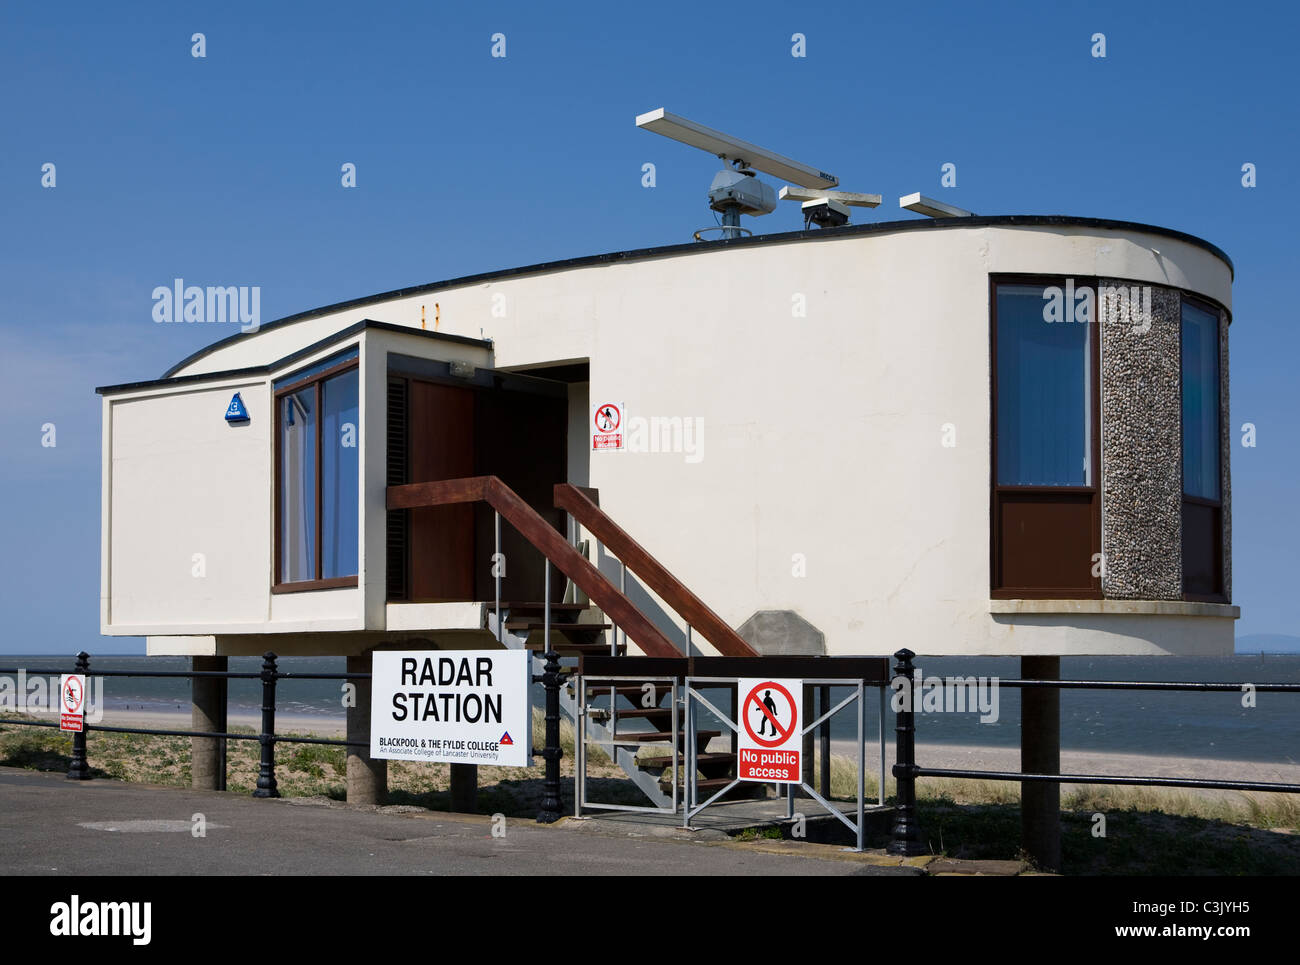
[
  {"x": 770, "y": 742},
  {"x": 451, "y": 706},
  {"x": 607, "y": 429}
]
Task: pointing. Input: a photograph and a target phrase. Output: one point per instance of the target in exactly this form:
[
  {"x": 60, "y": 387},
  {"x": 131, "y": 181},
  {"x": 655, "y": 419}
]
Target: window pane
[
  {"x": 298, "y": 486},
  {"x": 1200, "y": 359},
  {"x": 321, "y": 366},
  {"x": 1044, "y": 386},
  {"x": 340, "y": 475}
]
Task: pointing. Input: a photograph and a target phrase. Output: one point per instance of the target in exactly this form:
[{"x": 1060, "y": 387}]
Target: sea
[{"x": 1208, "y": 725}]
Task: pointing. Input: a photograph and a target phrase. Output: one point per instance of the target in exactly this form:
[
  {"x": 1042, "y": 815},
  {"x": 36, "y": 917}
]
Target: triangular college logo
[
  {"x": 236, "y": 412},
  {"x": 505, "y": 739}
]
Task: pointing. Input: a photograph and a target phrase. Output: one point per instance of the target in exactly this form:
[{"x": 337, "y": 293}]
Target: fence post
[
  {"x": 79, "y": 769},
  {"x": 266, "y": 786},
  {"x": 906, "y": 837},
  {"x": 552, "y": 752},
  {"x": 824, "y": 744}
]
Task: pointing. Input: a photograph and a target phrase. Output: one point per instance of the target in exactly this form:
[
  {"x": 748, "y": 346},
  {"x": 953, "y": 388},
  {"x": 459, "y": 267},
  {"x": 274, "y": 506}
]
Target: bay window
[
  {"x": 317, "y": 439},
  {"x": 1045, "y": 503},
  {"x": 1202, "y": 495}
]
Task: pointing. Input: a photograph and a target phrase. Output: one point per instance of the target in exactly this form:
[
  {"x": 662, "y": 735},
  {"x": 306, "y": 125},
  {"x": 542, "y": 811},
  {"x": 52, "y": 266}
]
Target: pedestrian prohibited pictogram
[
  {"x": 607, "y": 431},
  {"x": 770, "y": 741}
]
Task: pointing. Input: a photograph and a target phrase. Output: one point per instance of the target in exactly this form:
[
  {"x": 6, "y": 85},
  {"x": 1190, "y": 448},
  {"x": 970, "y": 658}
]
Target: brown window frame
[
  {"x": 1214, "y": 505},
  {"x": 277, "y": 584},
  {"x": 998, "y": 590}
]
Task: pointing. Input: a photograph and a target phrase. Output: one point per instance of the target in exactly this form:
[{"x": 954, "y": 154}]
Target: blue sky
[{"x": 225, "y": 171}]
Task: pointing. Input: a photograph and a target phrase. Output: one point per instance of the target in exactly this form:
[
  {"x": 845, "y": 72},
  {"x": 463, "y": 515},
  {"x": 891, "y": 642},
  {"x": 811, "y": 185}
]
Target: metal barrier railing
[
  {"x": 267, "y": 786},
  {"x": 584, "y": 685},
  {"x": 552, "y": 678},
  {"x": 692, "y": 696},
  {"x": 906, "y": 834}
]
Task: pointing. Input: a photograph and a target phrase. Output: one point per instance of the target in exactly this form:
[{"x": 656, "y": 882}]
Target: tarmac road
[{"x": 52, "y": 826}]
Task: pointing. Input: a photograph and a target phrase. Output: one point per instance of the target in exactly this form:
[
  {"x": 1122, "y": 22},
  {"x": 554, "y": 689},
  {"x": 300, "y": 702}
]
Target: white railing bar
[
  {"x": 725, "y": 719},
  {"x": 830, "y": 713}
]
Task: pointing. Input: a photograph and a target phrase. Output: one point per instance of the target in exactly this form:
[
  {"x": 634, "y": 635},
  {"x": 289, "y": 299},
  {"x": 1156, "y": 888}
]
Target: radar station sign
[
  {"x": 770, "y": 740},
  {"x": 451, "y": 706}
]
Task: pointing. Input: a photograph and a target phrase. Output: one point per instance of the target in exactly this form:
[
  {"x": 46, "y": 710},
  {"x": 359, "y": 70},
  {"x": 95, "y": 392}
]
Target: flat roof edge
[
  {"x": 364, "y": 325},
  {"x": 639, "y": 254}
]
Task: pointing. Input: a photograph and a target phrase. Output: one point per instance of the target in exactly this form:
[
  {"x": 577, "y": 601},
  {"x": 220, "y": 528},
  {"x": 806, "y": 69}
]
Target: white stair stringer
[{"x": 646, "y": 781}]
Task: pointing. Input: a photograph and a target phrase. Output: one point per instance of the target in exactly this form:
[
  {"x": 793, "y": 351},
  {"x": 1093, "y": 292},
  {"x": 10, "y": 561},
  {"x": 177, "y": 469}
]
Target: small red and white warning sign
[
  {"x": 72, "y": 701},
  {"x": 770, "y": 743},
  {"x": 607, "y": 430}
]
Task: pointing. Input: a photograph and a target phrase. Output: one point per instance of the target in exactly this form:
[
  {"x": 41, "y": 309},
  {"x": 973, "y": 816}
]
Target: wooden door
[{"x": 441, "y": 537}]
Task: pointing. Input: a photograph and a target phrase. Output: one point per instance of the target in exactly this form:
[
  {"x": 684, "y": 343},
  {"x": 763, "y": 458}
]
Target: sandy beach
[
  {"x": 1086, "y": 762},
  {"x": 928, "y": 755},
  {"x": 180, "y": 720}
]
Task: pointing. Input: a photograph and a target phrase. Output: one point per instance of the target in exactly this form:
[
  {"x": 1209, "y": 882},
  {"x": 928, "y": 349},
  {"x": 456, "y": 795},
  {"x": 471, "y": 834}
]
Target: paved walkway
[{"x": 52, "y": 826}]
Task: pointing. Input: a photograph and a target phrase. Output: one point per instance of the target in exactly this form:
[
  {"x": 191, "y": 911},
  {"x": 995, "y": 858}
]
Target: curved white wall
[{"x": 822, "y": 433}]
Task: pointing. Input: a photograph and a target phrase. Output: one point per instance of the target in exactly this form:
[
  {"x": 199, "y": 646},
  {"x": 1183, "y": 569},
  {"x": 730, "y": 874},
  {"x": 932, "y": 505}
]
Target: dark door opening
[{"x": 516, "y": 429}]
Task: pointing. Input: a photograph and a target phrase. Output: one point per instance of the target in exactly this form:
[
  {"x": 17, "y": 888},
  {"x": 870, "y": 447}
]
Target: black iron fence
[
  {"x": 552, "y": 679},
  {"x": 79, "y": 769},
  {"x": 906, "y": 835},
  {"x": 906, "y": 832}
]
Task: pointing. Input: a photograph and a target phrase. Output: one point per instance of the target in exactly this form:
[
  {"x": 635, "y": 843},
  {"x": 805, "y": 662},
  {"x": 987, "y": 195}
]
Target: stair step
[
  {"x": 707, "y": 785},
  {"x": 570, "y": 629},
  {"x": 649, "y": 763},
  {"x": 634, "y": 696},
  {"x": 560, "y": 612},
  {"x": 635, "y": 693},
  {"x": 651, "y": 736},
  {"x": 662, "y": 715},
  {"x": 540, "y": 604},
  {"x": 568, "y": 648}
]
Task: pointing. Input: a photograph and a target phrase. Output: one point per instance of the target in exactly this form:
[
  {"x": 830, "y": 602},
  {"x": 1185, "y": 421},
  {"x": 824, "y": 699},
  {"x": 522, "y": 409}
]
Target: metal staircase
[
  {"x": 632, "y": 720},
  {"x": 523, "y": 625},
  {"x": 523, "y": 629}
]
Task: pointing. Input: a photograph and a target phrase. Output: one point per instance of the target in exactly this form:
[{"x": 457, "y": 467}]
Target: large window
[
  {"x": 318, "y": 438},
  {"x": 1202, "y": 497},
  {"x": 1046, "y": 521}
]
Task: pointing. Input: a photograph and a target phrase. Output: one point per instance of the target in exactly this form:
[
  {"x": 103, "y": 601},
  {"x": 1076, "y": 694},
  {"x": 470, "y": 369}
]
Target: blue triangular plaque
[{"x": 236, "y": 412}]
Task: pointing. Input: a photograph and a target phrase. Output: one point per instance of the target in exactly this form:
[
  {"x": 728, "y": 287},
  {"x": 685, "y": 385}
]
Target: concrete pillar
[
  {"x": 367, "y": 778},
  {"x": 1040, "y": 753},
  {"x": 208, "y": 713},
  {"x": 464, "y": 788}
]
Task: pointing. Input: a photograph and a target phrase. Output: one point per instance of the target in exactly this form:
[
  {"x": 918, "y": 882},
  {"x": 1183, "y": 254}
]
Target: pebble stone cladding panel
[{"x": 1141, "y": 441}]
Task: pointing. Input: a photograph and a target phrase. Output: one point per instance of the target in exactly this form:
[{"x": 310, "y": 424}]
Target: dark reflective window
[
  {"x": 1200, "y": 359},
  {"x": 1044, "y": 394},
  {"x": 340, "y": 475},
  {"x": 318, "y": 441},
  {"x": 298, "y": 486}
]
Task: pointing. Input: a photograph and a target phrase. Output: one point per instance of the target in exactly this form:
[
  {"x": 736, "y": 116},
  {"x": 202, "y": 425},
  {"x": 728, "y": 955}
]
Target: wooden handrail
[
  {"x": 654, "y": 574},
  {"x": 530, "y": 525}
]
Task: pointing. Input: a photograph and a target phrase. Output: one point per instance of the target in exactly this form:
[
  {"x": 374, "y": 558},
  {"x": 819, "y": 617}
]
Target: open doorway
[{"x": 442, "y": 427}]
